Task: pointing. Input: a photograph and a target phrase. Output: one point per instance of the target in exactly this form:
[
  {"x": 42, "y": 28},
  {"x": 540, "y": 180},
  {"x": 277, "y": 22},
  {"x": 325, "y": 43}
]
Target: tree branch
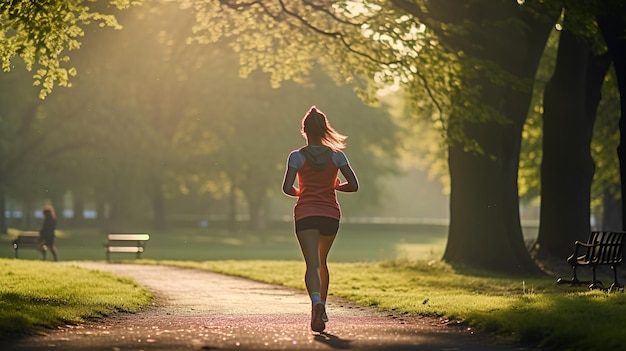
[
  {"x": 293, "y": 15},
  {"x": 411, "y": 9}
]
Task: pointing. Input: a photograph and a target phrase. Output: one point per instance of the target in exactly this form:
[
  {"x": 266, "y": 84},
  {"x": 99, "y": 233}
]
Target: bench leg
[
  {"x": 573, "y": 281},
  {"x": 595, "y": 284},
  {"x": 615, "y": 284}
]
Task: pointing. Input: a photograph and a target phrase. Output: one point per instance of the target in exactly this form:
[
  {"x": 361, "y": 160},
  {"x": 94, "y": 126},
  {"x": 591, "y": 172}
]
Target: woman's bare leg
[
  {"x": 326, "y": 242},
  {"x": 309, "y": 240},
  {"x": 310, "y": 245}
]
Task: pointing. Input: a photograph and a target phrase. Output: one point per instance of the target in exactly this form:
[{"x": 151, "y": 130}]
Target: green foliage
[
  {"x": 42, "y": 32},
  {"x": 374, "y": 45},
  {"x": 369, "y": 44},
  {"x": 35, "y": 293},
  {"x": 153, "y": 116},
  {"x": 22, "y": 126}
]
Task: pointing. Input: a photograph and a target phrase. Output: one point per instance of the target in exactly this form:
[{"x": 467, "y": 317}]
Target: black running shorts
[{"x": 326, "y": 225}]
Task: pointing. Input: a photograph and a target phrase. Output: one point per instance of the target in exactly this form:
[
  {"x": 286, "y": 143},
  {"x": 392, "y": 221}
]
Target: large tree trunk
[
  {"x": 612, "y": 27},
  {"x": 485, "y": 230},
  {"x": 571, "y": 100}
]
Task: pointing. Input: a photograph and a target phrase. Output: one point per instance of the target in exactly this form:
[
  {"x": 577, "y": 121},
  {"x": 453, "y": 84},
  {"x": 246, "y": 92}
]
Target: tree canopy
[
  {"x": 152, "y": 118},
  {"x": 41, "y": 34}
]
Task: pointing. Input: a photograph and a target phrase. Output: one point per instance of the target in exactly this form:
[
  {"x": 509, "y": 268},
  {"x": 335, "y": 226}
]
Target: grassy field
[
  {"x": 35, "y": 293},
  {"x": 535, "y": 311},
  {"x": 392, "y": 268},
  {"x": 354, "y": 244}
]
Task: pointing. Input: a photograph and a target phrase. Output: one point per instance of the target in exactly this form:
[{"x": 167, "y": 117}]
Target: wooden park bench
[
  {"x": 126, "y": 242},
  {"x": 28, "y": 240},
  {"x": 603, "y": 248}
]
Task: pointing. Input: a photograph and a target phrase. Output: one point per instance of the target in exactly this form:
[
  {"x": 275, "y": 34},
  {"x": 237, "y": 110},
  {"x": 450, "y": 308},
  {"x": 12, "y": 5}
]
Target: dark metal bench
[
  {"x": 28, "y": 240},
  {"x": 603, "y": 248},
  {"x": 126, "y": 243}
]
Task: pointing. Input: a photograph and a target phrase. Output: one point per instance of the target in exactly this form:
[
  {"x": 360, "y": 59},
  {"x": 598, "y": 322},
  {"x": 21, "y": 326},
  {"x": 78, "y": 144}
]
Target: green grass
[
  {"x": 534, "y": 311},
  {"x": 391, "y": 268},
  {"x": 353, "y": 244},
  {"x": 36, "y": 293}
]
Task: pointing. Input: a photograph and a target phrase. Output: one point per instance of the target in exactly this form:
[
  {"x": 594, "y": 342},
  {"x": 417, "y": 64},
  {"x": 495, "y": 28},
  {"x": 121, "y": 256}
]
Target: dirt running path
[{"x": 199, "y": 310}]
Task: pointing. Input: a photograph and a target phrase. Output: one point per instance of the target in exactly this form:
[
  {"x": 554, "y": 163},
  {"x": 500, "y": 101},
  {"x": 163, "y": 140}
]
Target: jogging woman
[{"x": 317, "y": 212}]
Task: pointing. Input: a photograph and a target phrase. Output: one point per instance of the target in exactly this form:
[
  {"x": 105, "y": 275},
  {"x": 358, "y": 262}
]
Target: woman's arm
[
  {"x": 351, "y": 184},
  {"x": 290, "y": 178}
]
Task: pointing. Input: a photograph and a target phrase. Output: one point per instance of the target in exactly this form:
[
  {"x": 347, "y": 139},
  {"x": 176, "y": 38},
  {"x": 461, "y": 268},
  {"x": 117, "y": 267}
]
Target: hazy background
[{"x": 157, "y": 133}]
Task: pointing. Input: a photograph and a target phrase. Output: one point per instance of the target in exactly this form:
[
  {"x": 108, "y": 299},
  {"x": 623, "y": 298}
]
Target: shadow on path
[{"x": 333, "y": 341}]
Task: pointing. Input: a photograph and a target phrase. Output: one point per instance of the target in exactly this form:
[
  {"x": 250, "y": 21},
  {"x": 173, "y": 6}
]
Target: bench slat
[
  {"x": 133, "y": 249},
  {"x": 126, "y": 237}
]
